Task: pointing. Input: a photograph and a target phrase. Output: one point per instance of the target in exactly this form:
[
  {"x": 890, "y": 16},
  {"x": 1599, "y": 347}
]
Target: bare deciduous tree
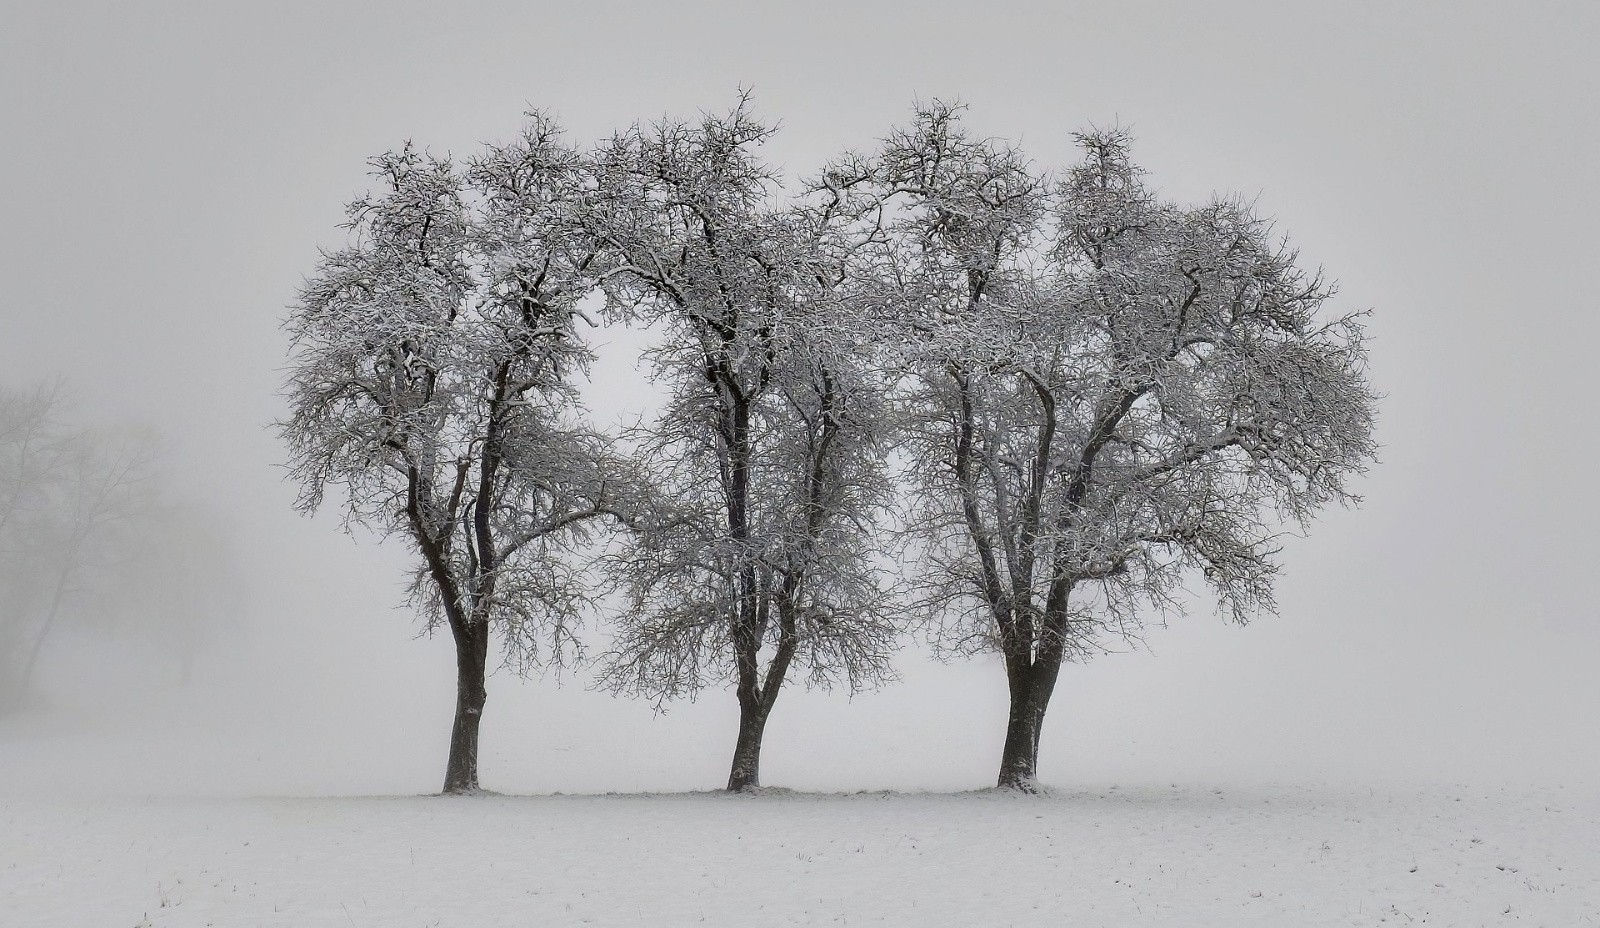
[
  {"x": 433, "y": 382},
  {"x": 1108, "y": 391},
  {"x": 770, "y": 449}
]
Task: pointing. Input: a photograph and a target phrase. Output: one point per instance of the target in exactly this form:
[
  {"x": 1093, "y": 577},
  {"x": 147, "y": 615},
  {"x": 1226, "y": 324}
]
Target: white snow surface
[{"x": 1267, "y": 856}]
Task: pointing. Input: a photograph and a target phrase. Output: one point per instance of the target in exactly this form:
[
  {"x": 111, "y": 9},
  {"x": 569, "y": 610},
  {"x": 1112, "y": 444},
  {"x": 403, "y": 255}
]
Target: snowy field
[{"x": 1119, "y": 856}]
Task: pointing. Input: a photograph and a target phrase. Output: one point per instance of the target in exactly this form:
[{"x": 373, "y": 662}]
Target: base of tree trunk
[
  {"x": 461, "y": 770},
  {"x": 746, "y": 773},
  {"x": 1019, "y": 759},
  {"x": 1019, "y": 784},
  {"x": 472, "y": 648},
  {"x": 744, "y": 780}
]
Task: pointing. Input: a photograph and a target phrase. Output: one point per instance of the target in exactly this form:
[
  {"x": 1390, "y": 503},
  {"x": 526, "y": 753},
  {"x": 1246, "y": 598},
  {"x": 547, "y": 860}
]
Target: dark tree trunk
[
  {"x": 1031, "y": 688},
  {"x": 756, "y": 701},
  {"x": 746, "y": 772},
  {"x": 748, "y": 623},
  {"x": 1019, "y": 758},
  {"x": 472, "y": 653}
]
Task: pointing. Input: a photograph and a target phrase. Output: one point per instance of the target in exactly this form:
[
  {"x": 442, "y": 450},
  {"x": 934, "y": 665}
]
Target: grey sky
[{"x": 170, "y": 169}]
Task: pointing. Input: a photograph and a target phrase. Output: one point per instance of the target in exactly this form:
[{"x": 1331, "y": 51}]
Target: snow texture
[{"x": 1131, "y": 856}]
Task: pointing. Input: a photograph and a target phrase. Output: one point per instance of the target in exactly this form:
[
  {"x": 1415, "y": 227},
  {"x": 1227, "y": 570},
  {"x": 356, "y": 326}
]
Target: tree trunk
[
  {"x": 472, "y": 653},
  {"x": 1031, "y": 688},
  {"x": 746, "y": 772},
  {"x": 26, "y": 678}
]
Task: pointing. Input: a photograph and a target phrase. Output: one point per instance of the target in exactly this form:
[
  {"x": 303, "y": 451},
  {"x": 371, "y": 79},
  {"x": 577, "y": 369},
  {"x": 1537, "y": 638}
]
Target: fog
[{"x": 169, "y": 171}]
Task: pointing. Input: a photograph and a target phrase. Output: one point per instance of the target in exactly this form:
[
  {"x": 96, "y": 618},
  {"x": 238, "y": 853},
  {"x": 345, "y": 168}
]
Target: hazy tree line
[
  {"x": 931, "y": 388},
  {"x": 92, "y": 542}
]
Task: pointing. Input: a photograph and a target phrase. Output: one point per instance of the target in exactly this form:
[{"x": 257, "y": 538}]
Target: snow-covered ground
[{"x": 1268, "y": 856}]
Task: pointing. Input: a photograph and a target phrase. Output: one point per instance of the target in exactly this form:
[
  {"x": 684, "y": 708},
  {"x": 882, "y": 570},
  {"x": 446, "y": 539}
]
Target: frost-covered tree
[
  {"x": 433, "y": 382},
  {"x": 1109, "y": 392},
  {"x": 769, "y": 452}
]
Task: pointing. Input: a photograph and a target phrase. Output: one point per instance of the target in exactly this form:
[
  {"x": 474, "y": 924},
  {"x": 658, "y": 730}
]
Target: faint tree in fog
[
  {"x": 1109, "y": 391},
  {"x": 71, "y": 504},
  {"x": 770, "y": 446},
  {"x": 177, "y": 586},
  {"x": 31, "y": 450},
  {"x": 433, "y": 382}
]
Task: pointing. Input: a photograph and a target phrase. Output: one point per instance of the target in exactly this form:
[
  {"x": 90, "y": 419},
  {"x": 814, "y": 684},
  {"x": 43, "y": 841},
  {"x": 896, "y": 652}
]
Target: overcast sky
[{"x": 168, "y": 171}]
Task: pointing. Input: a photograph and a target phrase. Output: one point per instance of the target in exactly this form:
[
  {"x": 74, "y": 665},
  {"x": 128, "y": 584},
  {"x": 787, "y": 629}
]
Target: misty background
[{"x": 169, "y": 170}]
